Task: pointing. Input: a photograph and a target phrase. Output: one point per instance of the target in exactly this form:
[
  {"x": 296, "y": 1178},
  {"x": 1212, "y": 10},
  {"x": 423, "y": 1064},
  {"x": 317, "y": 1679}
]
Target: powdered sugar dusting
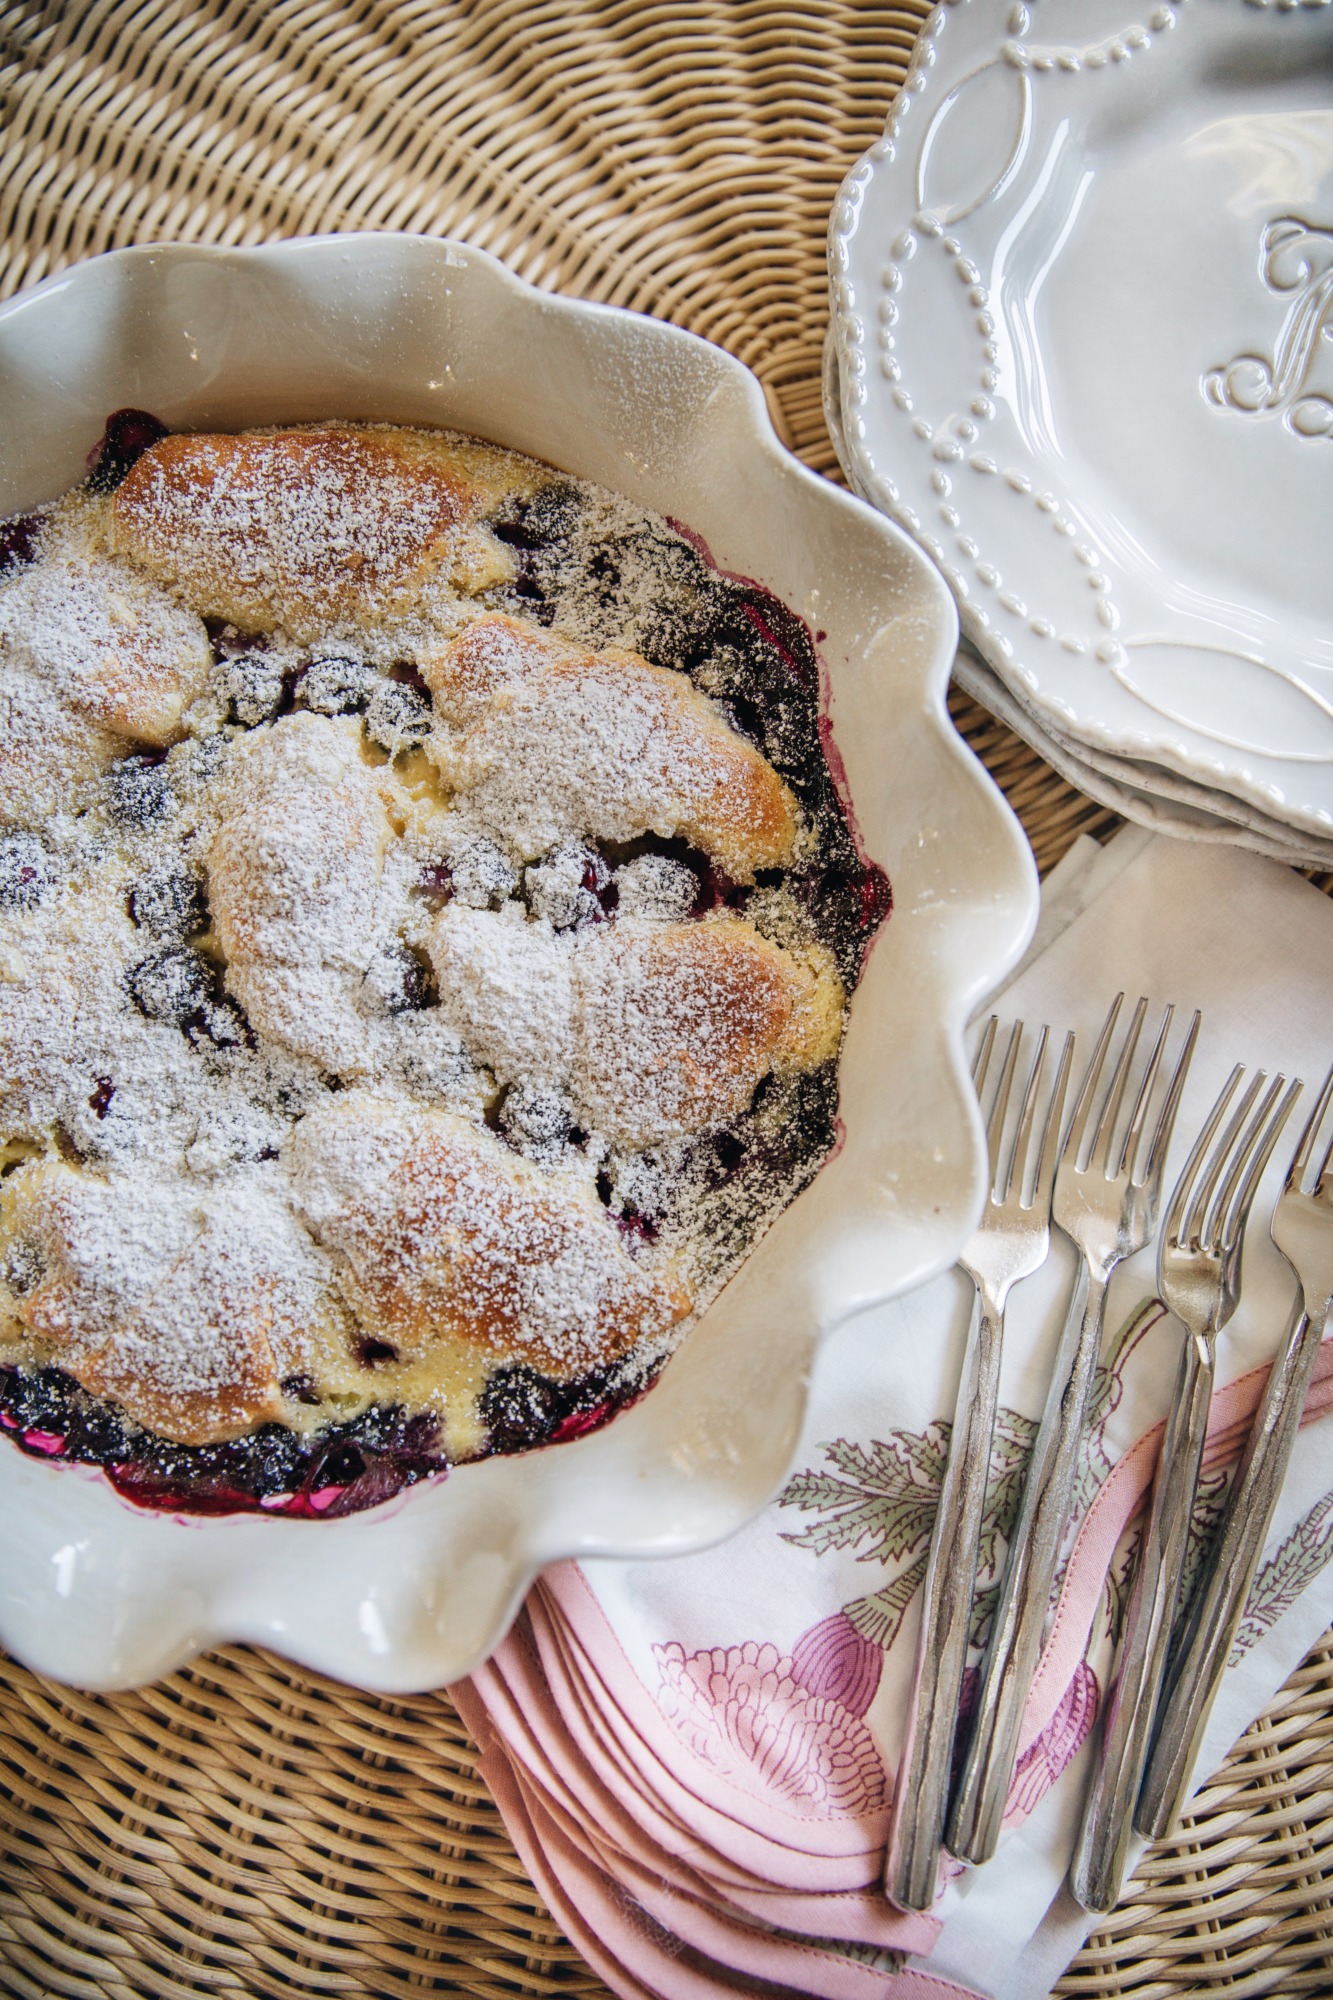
[
  {"x": 558, "y": 742},
  {"x": 190, "y": 1309},
  {"x": 294, "y": 529},
  {"x": 440, "y": 1231},
  {"x": 111, "y": 647}
]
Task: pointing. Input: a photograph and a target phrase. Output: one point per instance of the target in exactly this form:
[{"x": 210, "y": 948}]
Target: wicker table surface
[{"x": 245, "y": 1828}]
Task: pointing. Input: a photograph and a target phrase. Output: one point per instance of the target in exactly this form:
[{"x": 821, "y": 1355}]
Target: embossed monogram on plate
[{"x": 1297, "y": 258}]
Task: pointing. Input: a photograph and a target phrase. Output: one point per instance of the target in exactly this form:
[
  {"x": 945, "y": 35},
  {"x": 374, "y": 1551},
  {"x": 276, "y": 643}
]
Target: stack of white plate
[{"x": 1081, "y": 346}]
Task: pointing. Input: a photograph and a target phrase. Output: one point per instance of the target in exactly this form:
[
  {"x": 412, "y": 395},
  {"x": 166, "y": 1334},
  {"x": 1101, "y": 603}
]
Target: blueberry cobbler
[{"x": 426, "y": 922}]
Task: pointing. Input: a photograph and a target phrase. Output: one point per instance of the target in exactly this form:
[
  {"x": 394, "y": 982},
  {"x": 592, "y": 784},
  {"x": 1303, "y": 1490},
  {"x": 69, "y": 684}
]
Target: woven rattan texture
[{"x": 243, "y": 1828}]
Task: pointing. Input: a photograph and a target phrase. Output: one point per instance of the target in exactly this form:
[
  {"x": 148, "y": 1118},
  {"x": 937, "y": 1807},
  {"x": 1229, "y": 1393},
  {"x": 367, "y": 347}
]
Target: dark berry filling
[
  {"x": 342, "y": 1469},
  {"x": 522, "y": 1408},
  {"x": 435, "y": 885},
  {"x": 746, "y": 650},
  {"x": 126, "y": 438},
  {"x": 20, "y": 539}
]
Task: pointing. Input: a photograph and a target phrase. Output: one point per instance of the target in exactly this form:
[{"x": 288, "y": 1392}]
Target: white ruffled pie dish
[{"x": 414, "y": 1593}]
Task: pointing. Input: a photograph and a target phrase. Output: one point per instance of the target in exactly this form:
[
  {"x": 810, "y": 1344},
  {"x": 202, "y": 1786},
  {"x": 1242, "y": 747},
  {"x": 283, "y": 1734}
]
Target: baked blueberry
[
  {"x": 169, "y": 901},
  {"x": 123, "y": 443},
  {"x": 220, "y": 1023},
  {"x": 568, "y": 886},
  {"x": 388, "y": 1427},
  {"x": 96, "y": 1431},
  {"x": 435, "y": 884},
  {"x": 276, "y": 1460},
  {"x": 173, "y": 985},
  {"x": 656, "y": 885},
  {"x": 23, "y": 1268},
  {"x": 26, "y": 871},
  {"x": 536, "y": 1119},
  {"x": 301, "y": 1389},
  {"x": 20, "y": 539},
  {"x": 336, "y": 685},
  {"x": 478, "y": 873},
  {"x": 551, "y": 515},
  {"x": 672, "y": 628},
  {"x": 521, "y": 1408},
  {"x": 396, "y": 981},
  {"x": 250, "y": 686},
  {"x": 397, "y": 716},
  {"x": 138, "y": 793},
  {"x": 39, "y": 1399}
]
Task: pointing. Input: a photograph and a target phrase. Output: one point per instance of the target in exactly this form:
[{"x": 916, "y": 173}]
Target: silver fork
[
  {"x": 1009, "y": 1243},
  {"x": 1198, "y": 1275},
  {"x": 1106, "y": 1203},
  {"x": 1302, "y": 1229}
]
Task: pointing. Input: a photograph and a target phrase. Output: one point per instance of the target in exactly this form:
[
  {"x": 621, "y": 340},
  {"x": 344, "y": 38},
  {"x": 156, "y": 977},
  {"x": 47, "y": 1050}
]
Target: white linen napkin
[{"x": 705, "y": 1745}]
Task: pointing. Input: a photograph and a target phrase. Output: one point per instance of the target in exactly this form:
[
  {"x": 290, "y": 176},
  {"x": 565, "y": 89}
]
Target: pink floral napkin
[{"x": 695, "y": 1757}]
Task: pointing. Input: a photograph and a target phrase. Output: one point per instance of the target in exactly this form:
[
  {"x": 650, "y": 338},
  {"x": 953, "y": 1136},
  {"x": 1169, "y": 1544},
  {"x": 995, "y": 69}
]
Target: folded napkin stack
[{"x": 695, "y": 1757}]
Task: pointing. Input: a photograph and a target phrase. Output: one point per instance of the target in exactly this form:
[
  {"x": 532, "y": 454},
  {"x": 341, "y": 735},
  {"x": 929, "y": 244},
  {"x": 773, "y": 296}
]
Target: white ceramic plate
[
  {"x": 1142, "y": 792},
  {"x": 416, "y": 331},
  {"x": 1083, "y": 299}
]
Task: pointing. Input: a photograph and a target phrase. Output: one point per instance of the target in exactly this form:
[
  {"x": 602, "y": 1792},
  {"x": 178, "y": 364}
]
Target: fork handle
[
  {"x": 1232, "y": 1561},
  {"x": 921, "y": 1792},
  {"x": 1034, "y": 1555},
  {"x": 1098, "y": 1867}
]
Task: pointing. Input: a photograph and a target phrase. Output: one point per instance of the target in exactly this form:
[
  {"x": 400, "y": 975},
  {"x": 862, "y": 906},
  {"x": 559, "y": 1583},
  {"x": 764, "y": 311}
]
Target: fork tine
[
  {"x": 1305, "y": 1144},
  {"x": 981, "y": 1060},
  {"x": 1088, "y": 1089},
  {"x": 1161, "y": 1138},
  {"x": 1015, "y": 1170},
  {"x": 995, "y": 1123},
  {"x": 1203, "y": 1211},
  {"x": 1100, "y": 1155},
  {"x": 1171, "y": 1226},
  {"x": 1129, "y": 1152},
  {"x": 1237, "y": 1191},
  {"x": 1050, "y": 1139}
]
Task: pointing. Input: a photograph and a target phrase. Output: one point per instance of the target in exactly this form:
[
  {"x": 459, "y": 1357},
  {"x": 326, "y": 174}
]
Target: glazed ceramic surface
[
  {"x": 414, "y": 331},
  {"x": 1083, "y": 321}
]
